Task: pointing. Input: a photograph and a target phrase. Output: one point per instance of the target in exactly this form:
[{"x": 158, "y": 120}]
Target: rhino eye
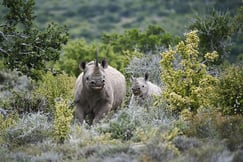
[{"x": 87, "y": 78}]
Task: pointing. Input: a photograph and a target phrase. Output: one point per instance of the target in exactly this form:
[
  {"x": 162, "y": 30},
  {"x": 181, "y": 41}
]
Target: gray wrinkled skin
[
  {"x": 99, "y": 89},
  {"x": 143, "y": 89}
]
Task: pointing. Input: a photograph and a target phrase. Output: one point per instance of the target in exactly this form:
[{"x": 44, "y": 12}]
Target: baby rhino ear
[
  {"x": 132, "y": 78},
  {"x": 146, "y": 76},
  {"x": 104, "y": 63}
]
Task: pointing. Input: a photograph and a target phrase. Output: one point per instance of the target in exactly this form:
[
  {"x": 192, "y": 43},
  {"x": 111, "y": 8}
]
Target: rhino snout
[
  {"x": 136, "y": 91},
  {"x": 97, "y": 84}
]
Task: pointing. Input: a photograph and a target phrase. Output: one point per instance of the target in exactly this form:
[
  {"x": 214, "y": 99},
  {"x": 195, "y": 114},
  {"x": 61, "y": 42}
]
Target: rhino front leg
[
  {"x": 79, "y": 113},
  {"x": 103, "y": 110}
]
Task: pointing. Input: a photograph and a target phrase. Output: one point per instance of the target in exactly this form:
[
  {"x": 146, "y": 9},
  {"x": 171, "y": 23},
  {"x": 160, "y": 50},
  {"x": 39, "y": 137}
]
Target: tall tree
[{"x": 23, "y": 46}]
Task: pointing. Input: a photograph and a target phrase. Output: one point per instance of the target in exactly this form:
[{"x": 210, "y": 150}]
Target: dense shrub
[
  {"x": 51, "y": 87},
  {"x": 231, "y": 129},
  {"x": 213, "y": 125},
  {"x": 23, "y": 46},
  {"x": 123, "y": 128},
  {"x": 74, "y": 52},
  {"x": 230, "y": 91},
  {"x": 16, "y": 92},
  {"x": 80, "y": 50},
  {"x": 31, "y": 128},
  {"x": 220, "y": 32},
  {"x": 138, "y": 66},
  {"x": 25, "y": 102},
  {"x": 151, "y": 39},
  {"x": 7, "y": 121}
]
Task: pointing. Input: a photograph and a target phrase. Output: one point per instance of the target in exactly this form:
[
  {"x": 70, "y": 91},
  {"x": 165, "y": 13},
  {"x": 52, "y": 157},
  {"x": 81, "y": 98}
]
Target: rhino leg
[
  {"x": 90, "y": 118},
  {"x": 103, "y": 110},
  {"x": 79, "y": 113}
]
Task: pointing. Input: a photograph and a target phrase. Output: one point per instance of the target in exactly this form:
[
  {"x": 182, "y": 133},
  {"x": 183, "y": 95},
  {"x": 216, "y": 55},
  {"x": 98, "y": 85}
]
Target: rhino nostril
[{"x": 92, "y": 82}]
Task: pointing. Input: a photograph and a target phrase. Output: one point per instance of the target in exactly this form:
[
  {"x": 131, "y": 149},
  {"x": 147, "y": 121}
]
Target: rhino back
[
  {"x": 118, "y": 85},
  {"x": 153, "y": 89}
]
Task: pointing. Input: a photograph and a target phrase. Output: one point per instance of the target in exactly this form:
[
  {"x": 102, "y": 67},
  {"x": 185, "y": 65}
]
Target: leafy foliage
[
  {"x": 118, "y": 49},
  {"x": 150, "y": 40},
  {"x": 30, "y": 128},
  {"x": 16, "y": 92},
  {"x": 212, "y": 124},
  {"x": 148, "y": 63},
  {"x": 123, "y": 128},
  {"x": 8, "y": 121},
  {"x": 230, "y": 91},
  {"x": 215, "y": 32},
  {"x": 23, "y": 46},
  {"x": 74, "y": 52},
  {"x": 51, "y": 87},
  {"x": 80, "y": 50},
  {"x": 187, "y": 83},
  {"x": 24, "y": 102}
]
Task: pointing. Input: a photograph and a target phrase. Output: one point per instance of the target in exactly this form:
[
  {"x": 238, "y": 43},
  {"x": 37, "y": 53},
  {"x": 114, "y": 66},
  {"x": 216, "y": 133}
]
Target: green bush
[
  {"x": 117, "y": 49},
  {"x": 80, "y": 50},
  {"x": 7, "y": 121},
  {"x": 147, "y": 41},
  {"x": 213, "y": 125},
  {"x": 16, "y": 92},
  {"x": 23, "y": 46},
  {"x": 51, "y": 87},
  {"x": 214, "y": 31},
  {"x": 74, "y": 52},
  {"x": 30, "y": 128},
  {"x": 24, "y": 102},
  {"x": 230, "y": 91},
  {"x": 122, "y": 128},
  {"x": 231, "y": 129}
]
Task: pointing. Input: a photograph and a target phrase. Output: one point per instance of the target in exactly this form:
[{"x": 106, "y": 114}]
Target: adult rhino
[
  {"x": 98, "y": 89},
  {"x": 143, "y": 89}
]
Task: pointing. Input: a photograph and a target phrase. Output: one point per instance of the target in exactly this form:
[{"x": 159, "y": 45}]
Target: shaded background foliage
[{"x": 24, "y": 47}]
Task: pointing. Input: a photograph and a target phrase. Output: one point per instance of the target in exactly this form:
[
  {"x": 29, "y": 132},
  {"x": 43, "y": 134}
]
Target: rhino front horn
[{"x": 96, "y": 58}]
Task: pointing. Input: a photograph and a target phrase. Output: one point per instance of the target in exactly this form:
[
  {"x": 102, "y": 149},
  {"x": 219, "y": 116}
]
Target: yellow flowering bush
[
  {"x": 6, "y": 122},
  {"x": 187, "y": 83},
  {"x": 63, "y": 118},
  {"x": 211, "y": 56},
  {"x": 52, "y": 87}
]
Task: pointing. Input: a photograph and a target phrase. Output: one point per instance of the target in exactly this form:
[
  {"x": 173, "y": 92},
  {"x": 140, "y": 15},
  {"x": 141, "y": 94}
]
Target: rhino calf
[
  {"x": 98, "y": 89},
  {"x": 142, "y": 89}
]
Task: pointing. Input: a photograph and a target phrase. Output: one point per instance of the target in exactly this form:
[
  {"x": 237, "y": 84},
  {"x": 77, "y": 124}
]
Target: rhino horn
[{"x": 96, "y": 58}]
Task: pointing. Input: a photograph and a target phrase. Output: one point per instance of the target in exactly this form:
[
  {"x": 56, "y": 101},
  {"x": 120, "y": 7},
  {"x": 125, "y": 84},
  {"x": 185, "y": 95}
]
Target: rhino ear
[
  {"x": 132, "y": 78},
  {"x": 104, "y": 63},
  {"x": 82, "y": 65},
  {"x": 146, "y": 76}
]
